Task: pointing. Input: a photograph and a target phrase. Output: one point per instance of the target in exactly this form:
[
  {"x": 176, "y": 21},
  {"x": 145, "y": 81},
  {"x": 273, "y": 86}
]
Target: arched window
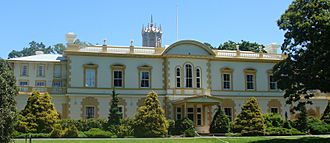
[
  {"x": 188, "y": 76},
  {"x": 198, "y": 78},
  {"x": 178, "y": 77}
]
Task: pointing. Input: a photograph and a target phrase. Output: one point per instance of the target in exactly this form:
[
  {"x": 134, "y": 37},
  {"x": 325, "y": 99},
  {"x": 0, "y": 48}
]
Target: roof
[{"x": 40, "y": 58}]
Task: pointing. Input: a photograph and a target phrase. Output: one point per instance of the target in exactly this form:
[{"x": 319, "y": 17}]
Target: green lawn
[{"x": 194, "y": 140}]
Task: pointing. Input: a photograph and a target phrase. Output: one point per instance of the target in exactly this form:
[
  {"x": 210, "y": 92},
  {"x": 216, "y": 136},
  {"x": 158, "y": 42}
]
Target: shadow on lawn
[{"x": 298, "y": 140}]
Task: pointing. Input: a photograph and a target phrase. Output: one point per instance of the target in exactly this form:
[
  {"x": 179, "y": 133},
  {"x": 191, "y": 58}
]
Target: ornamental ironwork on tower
[{"x": 152, "y": 35}]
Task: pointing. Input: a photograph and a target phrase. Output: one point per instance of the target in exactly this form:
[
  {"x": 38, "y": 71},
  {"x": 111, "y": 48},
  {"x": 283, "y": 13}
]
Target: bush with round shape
[{"x": 220, "y": 122}]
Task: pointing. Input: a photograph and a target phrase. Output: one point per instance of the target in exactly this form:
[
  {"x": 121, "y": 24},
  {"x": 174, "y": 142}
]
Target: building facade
[{"x": 189, "y": 77}]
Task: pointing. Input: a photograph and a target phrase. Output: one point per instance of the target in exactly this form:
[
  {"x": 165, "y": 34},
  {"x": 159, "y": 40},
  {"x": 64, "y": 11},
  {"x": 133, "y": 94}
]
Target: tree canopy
[
  {"x": 307, "y": 69},
  {"x": 8, "y": 91},
  {"x": 243, "y": 46},
  {"x": 35, "y": 46},
  {"x": 114, "y": 114}
]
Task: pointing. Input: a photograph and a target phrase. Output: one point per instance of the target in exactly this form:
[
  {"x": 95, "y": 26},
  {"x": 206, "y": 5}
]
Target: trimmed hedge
[
  {"x": 279, "y": 131},
  {"x": 84, "y": 125},
  {"x": 98, "y": 133}
]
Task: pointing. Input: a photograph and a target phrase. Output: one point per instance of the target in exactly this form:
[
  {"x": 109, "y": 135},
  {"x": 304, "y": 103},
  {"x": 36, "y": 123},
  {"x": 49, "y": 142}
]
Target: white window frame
[
  {"x": 41, "y": 70},
  {"x": 228, "y": 81},
  {"x": 143, "y": 79},
  {"x": 178, "y": 113},
  {"x": 188, "y": 76},
  {"x": 90, "y": 77},
  {"x": 38, "y": 83},
  {"x": 178, "y": 77},
  {"x": 57, "y": 70},
  {"x": 199, "y": 116},
  {"x": 24, "y": 69},
  {"x": 252, "y": 81},
  {"x": 93, "y": 112},
  {"x": 120, "y": 78},
  {"x": 27, "y": 83},
  {"x": 272, "y": 83},
  {"x": 198, "y": 78}
]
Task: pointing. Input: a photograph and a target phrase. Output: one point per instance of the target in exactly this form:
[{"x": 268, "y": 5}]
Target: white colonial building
[{"x": 189, "y": 77}]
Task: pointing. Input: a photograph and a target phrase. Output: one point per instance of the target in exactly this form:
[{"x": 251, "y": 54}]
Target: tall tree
[
  {"x": 150, "y": 120},
  {"x": 8, "y": 91},
  {"x": 250, "y": 121},
  {"x": 114, "y": 114},
  {"x": 326, "y": 114},
  {"x": 302, "y": 124},
  {"x": 243, "y": 46},
  {"x": 39, "y": 114},
  {"x": 220, "y": 122},
  {"x": 307, "y": 32}
]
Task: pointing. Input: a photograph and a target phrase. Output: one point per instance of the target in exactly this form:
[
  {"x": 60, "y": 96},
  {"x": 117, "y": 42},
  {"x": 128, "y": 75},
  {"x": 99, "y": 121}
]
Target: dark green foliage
[
  {"x": 191, "y": 132},
  {"x": 243, "y": 46},
  {"x": 171, "y": 127},
  {"x": 279, "y": 131},
  {"x": 150, "y": 120},
  {"x": 301, "y": 123},
  {"x": 39, "y": 114},
  {"x": 220, "y": 122},
  {"x": 98, "y": 133},
  {"x": 326, "y": 114},
  {"x": 317, "y": 126},
  {"x": 182, "y": 125},
  {"x": 114, "y": 114},
  {"x": 273, "y": 120},
  {"x": 56, "y": 132},
  {"x": 71, "y": 132},
  {"x": 287, "y": 124},
  {"x": 250, "y": 120},
  {"x": 84, "y": 125},
  {"x": 306, "y": 25},
  {"x": 35, "y": 46},
  {"x": 8, "y": 91},
  {"x": 125, "y": 129},
  {"x": 33, "y": 135}
]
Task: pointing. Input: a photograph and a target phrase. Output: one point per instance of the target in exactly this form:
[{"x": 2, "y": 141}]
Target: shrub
[
  {"x": 171, "y": 127},
  {"x": 191, "y": 132},
  {"x": 84, "y": 125},
  {"x": 57, "y": 131},
  {"x": 182, "y": 125},
  {"x": 301, "y": 123},
  {"x": 287, "y": 125},
  {"x": 273, "y": 120},
  {"x": 98, "y": 133},
  {"x": 33, "y": 135},
  {"x": 125, "y": 128},
  {"x": 150, "y": 120},
  {"x": 71, "y": 132},
  {"x": 250, "y": 121},
  {"x": 279, "y": 131},
  {"x": 220, "y": 122},
  {"x": 317, "y": 126},
  {"x": 326, "y": 114}
]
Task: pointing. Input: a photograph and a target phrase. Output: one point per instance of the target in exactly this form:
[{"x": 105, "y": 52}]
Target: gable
[{"x": 189, "y": 48}]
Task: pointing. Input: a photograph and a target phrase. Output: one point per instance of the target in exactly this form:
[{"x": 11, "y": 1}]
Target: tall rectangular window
[
  {"x": 250, "y": 85},
  {"x": 57, "y": 70},
  {"x": 190, "y": 114},
  {"x": 40, "y": 83},
  {"x": 226, "y": 81},
  {"x": 178, "y": 113},
  {"x": 89, "y": 112},
  {"x": 199, "y": 116},
  {"x": 272, "y": 83},
  {"x": 229, "y": 113},
  {"x": 24, "y": 69},
  {"x": 145, "y": 79},
  {"x": 121, "y": 111},
  {"x": 178, "y": 77},
  {"x": 90, "y": 77},
  {"x": 41, "y": 70},
  {"x": 198, "y": 78},
  {"x": 117, "y": 78},
  {"x": 188, "y": 76}
]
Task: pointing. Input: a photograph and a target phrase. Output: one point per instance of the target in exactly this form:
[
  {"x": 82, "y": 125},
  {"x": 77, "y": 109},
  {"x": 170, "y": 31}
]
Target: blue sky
[{"x": 212, "y": 21}]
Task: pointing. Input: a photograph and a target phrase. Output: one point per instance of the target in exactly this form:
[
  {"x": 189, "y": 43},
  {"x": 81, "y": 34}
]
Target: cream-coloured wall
[
  {"x": 238, "y": 74},
  {"x": 104, "y": 70}
]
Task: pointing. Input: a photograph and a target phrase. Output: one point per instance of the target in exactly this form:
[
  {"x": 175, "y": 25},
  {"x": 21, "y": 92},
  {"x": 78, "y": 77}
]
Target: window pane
[
  {"x": 57, "y": 71},
  {"x": 188, "y": 75},
  {"x": 117, "y": 78},
  {"x": 89, "y": 112},
  {"x": 90, "y": 78}
]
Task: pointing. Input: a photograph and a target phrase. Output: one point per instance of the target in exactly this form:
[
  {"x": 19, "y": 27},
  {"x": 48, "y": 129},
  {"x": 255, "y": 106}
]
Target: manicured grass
[{"x": 193, "y": 140}]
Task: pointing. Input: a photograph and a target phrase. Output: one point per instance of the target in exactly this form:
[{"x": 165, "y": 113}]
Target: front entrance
[{"x": 199, "y": 109}]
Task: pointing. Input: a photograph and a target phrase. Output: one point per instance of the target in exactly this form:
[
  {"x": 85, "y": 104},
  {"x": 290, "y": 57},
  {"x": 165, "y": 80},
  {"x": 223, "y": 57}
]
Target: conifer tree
[
  {"x": 39, "y": 114},
  {"x": 302, "y": 118},
  {"x": 114, "y": 114},
  {"x": 326, "y": 114},
  {"x": 220, "y": 122},
  {"x": 150, "y": 120},
  {"x": 8, "y": 91},
  {"x": 250, "y": 121}
]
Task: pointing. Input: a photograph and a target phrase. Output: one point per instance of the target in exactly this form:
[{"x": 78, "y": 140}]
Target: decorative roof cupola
[{"x": 152, "y": 35}]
